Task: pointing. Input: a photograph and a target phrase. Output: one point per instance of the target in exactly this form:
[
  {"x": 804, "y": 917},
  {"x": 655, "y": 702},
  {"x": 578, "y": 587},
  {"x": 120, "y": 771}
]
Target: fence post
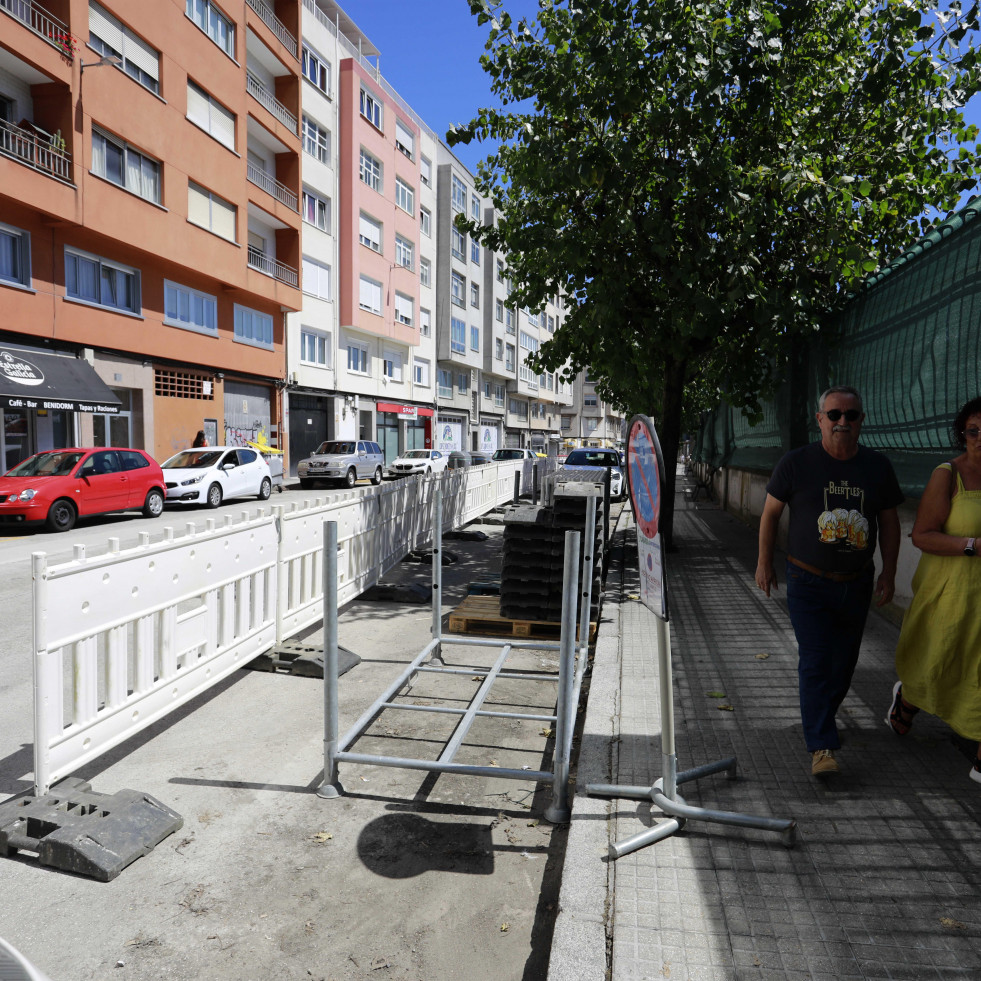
[
  {"x": 330, "y": 788},
  {"x": 437, "y": 571},
  {"x": 517, "y": 486},
  {"x": 39, "y": 569}
]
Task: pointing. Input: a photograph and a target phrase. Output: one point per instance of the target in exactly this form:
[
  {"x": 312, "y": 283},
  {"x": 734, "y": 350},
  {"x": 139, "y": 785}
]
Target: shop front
[
  {"x": 489, "y": 436},
  {"x": 450, "y": 433},
  {"x": 41, "y": 394},
  {"x": 403, "y": 427}
]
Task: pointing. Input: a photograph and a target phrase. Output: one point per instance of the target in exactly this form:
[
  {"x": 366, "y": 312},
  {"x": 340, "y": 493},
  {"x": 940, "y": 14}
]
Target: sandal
[
  {"x": 901, "y": 715},
  {"x": 975, "y": 771}
]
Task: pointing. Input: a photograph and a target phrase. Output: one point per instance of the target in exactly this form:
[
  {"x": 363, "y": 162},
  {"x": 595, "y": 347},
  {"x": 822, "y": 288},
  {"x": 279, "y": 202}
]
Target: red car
[{"x": 57, "y": 487}]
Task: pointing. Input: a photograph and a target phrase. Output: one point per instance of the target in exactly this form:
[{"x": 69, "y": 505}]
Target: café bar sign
[{"x": 36, "y": 380}]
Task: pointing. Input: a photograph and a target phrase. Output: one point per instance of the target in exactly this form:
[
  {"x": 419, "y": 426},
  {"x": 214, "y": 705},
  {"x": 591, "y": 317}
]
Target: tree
[{"x": 707, "y": 181}]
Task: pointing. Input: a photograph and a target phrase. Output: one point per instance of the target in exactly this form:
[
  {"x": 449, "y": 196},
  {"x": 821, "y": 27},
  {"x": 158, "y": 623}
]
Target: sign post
[{"x": 645, "y": 466}]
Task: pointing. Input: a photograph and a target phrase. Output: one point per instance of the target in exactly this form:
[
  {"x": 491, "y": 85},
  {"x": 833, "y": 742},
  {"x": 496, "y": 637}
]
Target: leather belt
[{"x": 833, "y": 576}]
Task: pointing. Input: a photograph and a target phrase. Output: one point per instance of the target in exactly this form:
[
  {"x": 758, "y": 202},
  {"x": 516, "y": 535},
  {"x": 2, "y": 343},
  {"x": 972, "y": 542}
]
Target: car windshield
[
  {"x": 592, "y": 458},
  {"x": 193, "y": 460},
  {"x": 334, "y": 448},
  {"x": 47, "y": 464},
  {"x": 416, "y": 455},
  {"x": 507, "y": 454}
]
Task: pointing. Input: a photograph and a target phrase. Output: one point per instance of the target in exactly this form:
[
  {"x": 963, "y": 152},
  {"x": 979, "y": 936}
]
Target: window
[
  {"x": 316, "y": 140},
  {"x": 458, "y": 335},
  {"x": 425, "y": 272},
  {"x": 371, "y": 171},
  {"x": 457, "y": 287},
  {"x": 474, "y": 295},
  {"x": 425, "y": 322},
  {"x": 190, "y": 309},
  {"x": 463, "y": 382},
  {"x": 475, "y": 207},
  {"x": 498, "y": 395},
  {"x": 567, "y": 422},
  {"x": 371, "y": 295},
  {"x": 404, "y": 252},
  {"x": 210, "y": 115},
  {"x": 426, "y": 222},
  {"x": 475, "y": 251},
  {"x": 520, "y": 409},
  {"x": 211, "y": 212},
  {"x": 405, "y": 197},
  {"x": 316, "y": 210},
  {"x": 370, "y": 233},
  {"x": 392, "y": 366},
  {"x": 253, "y": 327},
  {"x": 358, "y": 360},
  {"x": 509, "y": 357},
  {"x": 487, "y": 389},
  {"x": 498, "y": 349},
  {"x": 551, "y": 325},
  {"x": 109, "y": 37},
  {"x": 404, "y": 140},
  {"x": 458, "y": 192},
  {"x": 474, "y": 338},
  {"x": 403, "y": 309},
  {"x": 316, "y": 70},
  {"x": 458, "y": 243},
  {"x": 590, "y": 401},
  {"x": 499, "y": 310},
  {"x": 530, "y": 344},
  {"x": 420, "y": 372},
  {"x": 500, "y": 271},
  {"x": 371, "y": 108},
  {"x": 532, "y": 318},
  {"x": 315, "y": 347},
  {"x": 509, "y": 320},
  {"x": 15, "y": 256},
  {"x": 92, "y": 279},
  {"x": 426, "y": 171},
  {"x": 120, "y": 163},
  {"x": 316, "y": 278},
  {"x": 214, "y": 23},
  {"x": 444, "y": 383}
]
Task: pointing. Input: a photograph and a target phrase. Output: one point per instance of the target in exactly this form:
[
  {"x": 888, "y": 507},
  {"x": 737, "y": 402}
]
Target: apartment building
[
  {"x": 149, "y": 220},
  {"x": 589, "y": 420}
]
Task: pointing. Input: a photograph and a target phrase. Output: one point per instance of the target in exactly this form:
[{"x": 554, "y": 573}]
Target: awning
[{"x": 35, "y": 380}]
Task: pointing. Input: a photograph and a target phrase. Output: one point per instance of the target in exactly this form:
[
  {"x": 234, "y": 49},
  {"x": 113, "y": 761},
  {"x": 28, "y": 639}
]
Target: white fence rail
[{"x": 121, "y": 640}]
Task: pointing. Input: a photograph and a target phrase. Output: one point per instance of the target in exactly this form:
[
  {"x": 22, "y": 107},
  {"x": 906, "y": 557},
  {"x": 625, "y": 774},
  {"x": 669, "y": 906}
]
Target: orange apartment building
[{"x": 149, "y": 220}]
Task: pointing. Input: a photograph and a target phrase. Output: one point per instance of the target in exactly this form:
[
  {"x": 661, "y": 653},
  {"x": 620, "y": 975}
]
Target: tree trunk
[{"x": 669, "y": 436}]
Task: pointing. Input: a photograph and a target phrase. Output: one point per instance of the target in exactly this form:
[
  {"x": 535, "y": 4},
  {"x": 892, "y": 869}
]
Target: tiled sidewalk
[{"x": 884, "y": 880}]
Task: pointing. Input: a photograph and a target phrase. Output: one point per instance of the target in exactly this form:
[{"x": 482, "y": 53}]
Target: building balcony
[
  {"x": 38, "y": 20},
  {"x": 262, "y": 95},
  {"x": 265, "y": 264},
  {"x": 36, "y": 149},
  {"x": 272, "y": 186},
  {"x": 274, "y": 24}
]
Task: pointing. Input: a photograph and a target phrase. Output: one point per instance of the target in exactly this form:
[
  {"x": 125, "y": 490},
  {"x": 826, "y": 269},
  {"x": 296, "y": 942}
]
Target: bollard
[{"x": 517, "y": 486}]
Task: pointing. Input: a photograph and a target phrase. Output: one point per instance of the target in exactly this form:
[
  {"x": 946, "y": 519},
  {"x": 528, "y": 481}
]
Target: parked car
[
  {"x": 342, "y": 461},
  {"x": 458, "y": 460},
  {"x": 512, "y": 453},
  {"x": 418, "y": 461},
  {"x": 598, "y": 459},
  {"x": 57, "y": 487},
  {"x": 212, "y": 474},
  {"x": 479, "y": 458}
]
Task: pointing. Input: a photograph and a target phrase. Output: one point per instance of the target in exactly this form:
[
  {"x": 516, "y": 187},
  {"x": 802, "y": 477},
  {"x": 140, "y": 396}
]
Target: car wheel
[
  {"x": 306, "y": 483},
  {"x": 153, "y": 506},
  {"x": 351, "y": 478},
  {"x": 61, "y": 516},
  {"x": 265, "y": 489},
  {"x": 214, "y": 495},
  {"x": 377, "y": 479}
]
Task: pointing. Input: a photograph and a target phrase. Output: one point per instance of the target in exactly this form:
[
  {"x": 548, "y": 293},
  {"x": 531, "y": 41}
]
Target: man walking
[{"x": 842, "y": 497}]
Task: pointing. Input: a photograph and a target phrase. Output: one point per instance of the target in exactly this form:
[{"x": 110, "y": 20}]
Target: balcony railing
[
  {"x": 271, "y": 267},
  {"x": 321, "y": 16},
  {"x": 261, "y": 94},
  {"x": 274, "y": 24},
  {"x": 34, "y": 150},
  {"x": 272, "y": 186},
  {"x": 42, "y": 24}
]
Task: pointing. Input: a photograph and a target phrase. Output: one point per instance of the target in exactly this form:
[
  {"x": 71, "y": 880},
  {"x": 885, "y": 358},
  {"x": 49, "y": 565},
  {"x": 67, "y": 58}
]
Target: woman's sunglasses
[
  {"x": 973, "y": 432},
  {"x": 850, "y": 414}
]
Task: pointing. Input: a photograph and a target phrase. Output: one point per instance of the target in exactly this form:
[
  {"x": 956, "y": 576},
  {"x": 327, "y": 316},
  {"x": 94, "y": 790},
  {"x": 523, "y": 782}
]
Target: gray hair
[{"x": 839, "y": 390}]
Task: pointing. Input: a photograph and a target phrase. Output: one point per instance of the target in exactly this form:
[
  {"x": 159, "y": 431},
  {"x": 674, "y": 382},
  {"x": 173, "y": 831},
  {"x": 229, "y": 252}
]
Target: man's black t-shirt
[{"x": 834, "y": 504}]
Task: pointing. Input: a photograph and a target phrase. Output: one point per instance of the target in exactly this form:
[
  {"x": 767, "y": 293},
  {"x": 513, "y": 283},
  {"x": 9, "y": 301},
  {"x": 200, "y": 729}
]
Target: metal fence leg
[
  {"x": 437, "y": 572},
  {"x": 331, "y": 787}
]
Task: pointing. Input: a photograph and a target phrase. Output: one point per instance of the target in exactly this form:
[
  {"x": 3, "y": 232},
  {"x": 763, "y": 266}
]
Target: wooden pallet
[{"x": 482, "y": 615}]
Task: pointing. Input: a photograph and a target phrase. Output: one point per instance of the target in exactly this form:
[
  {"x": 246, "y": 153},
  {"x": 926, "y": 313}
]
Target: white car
[
  {"x": 418, "y": 461},
  {"x": 212, "y": 474},
  {"x": 596, "y": 460}
]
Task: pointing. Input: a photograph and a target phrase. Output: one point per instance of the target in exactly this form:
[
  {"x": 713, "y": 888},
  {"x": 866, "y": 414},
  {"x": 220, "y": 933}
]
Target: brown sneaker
[{"x": 823, "y": 763}]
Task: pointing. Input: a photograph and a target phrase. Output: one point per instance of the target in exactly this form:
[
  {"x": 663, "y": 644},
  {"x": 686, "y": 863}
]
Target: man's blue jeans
[{"x": 828, "y": 619}]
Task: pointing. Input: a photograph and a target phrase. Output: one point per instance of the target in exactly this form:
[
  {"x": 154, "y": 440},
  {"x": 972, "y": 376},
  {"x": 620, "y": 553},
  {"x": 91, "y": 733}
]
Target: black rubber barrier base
[
  {"x": 77, "y": 830},
  {"x": 302, "y": 659}
]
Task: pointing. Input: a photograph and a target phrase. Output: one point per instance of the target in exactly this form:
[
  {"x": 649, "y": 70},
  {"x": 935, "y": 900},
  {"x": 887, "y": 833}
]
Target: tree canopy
[{"x": 706, "y": 181}]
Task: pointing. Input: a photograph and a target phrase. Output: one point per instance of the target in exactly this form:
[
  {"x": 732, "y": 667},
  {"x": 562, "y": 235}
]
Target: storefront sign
[
  {"x": 449, "y": 435},
  {"x": 644, "y": 468},
  {"x": 404, "y": 411},
  {"x": 39, "y": 381},
  {"x": 489, "y": 437}
]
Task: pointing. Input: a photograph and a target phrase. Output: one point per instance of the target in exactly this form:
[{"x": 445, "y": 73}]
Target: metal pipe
[
  {"x": 330, "y": 788},
  {"x": 486, "y": 642},
  {"x": 39, "y": 565},
  {"x": 506, "y": 675},
  {"x": 517, "y": 486},
  {"x": 436, "y": 766},
  {"x": 437, "y": 570},
  {"x": 666, "y": 682},
  {"x": 447, "y": 710}
]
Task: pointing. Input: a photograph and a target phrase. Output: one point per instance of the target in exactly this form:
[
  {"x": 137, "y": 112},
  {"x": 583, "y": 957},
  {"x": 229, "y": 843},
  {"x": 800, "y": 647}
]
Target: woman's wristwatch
[{"x": 969, "y": 548}]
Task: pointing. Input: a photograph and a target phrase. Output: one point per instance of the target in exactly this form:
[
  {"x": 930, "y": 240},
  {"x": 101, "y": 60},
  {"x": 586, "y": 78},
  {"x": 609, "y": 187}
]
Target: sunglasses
[
  {"x": 850, "y": 414},
  {"x": 973, "y": 432}
]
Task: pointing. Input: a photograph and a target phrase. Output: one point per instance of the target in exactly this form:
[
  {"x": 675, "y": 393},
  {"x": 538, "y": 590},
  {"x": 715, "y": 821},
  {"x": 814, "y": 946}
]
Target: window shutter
[
  {"x": 198, "y": 206},
  {"x": 198, "y": 105},
  {"x": 104, "y": 26},
  {"x": 404, "y": 137},
  {"x": 142, "y": 55},
  {"x": 222, "y": 125},
  {"x": 223, "y": 218}
]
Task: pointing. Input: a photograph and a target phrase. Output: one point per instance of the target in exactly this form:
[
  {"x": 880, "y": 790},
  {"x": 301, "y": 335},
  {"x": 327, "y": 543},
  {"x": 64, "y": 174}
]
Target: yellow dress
[{"x": 938, "y": 658}]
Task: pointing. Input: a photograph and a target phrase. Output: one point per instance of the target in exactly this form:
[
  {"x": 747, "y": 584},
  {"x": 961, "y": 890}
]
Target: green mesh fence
[{"x": 911, "y": 344}]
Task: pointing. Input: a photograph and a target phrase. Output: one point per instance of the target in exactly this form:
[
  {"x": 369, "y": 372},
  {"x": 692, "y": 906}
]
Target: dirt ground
[{"x": 407, "y": 875}]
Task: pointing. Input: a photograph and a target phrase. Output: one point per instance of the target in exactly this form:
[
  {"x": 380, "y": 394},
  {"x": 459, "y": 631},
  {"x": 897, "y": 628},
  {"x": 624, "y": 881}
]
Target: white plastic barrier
[{"x": 122, "y": 639}]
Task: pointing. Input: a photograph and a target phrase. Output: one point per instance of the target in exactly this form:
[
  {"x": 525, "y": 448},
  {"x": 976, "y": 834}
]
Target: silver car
[{"x": 342, "y": 461}]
